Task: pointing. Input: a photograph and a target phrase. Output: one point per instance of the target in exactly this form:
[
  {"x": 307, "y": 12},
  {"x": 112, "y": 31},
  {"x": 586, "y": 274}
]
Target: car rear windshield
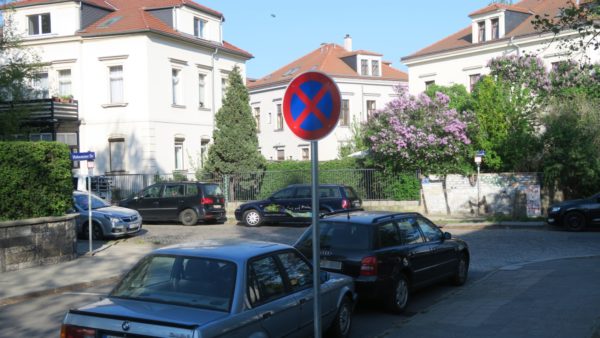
[
  {"x": 188, "y": 281},
  {"x": 212, "y": 190},
  {"x": 350, "y": 193},
  {"x": 343, "y": 236}
]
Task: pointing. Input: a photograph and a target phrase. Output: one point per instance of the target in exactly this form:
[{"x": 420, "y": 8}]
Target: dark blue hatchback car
[{"x": 293, "y": 204}]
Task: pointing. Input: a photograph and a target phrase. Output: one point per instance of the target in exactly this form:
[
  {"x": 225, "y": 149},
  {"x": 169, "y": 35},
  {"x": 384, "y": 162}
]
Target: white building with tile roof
[{"x": 366, "y": 83}]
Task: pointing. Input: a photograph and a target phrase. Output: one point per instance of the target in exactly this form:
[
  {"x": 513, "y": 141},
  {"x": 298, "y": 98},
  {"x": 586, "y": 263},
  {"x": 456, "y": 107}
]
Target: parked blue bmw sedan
[{"x": 217, "y": 289}]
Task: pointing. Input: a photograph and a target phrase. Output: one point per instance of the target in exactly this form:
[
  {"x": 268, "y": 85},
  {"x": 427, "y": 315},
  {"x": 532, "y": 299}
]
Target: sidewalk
[{"x": 106, "y": 264}]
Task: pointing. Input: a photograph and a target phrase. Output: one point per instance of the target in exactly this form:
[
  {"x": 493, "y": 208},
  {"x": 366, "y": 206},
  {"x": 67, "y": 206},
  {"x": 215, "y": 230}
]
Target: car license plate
[
  {"x": 134, "y": 226},
  {"x": 217, "y": 206},
  {"x": 331, "y": 264}
]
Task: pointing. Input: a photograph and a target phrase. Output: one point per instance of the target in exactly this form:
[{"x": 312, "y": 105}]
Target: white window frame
[
  {"x": 65, "y": 82},
  {"x": 113, "y": 79},
  {"x": 178, "y": 151},
  {"x": 201, "y": 90},
  {"x": 40, "y": 24},
  {"x": 116, "y": 146},
  {"x": 279, "y": 125},
  {"x": 279, "y": 151},
  {"x": 371, "y": 110},
  {"x": 257, "y": 118},
  {"x": 41, "y": 89},
  {"x": 199, "y": 26},
  {"x": 375, "y": 67},
  {"x": 176, "y": 87},
  {"x": 345, "y": 113}
]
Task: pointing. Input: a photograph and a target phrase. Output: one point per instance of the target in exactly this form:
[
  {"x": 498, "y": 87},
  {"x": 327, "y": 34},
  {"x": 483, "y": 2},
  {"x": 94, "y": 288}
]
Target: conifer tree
[{"x": 235, "y": 147}]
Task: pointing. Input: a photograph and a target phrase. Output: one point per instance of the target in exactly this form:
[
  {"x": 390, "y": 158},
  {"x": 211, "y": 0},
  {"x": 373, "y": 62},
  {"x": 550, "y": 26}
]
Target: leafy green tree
[
  {"x": 18, "y": 67},
  {"x": 235, "y": 147},
  {"x": 460, "y": 98},
  {"x": 581, "y": 17},
  {"x": 572, "y": 144},
  {"x": 507, "y": 106}
]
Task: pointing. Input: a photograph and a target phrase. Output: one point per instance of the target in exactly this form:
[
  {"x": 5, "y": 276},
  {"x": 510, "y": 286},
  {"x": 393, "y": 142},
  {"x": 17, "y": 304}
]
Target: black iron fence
[{"x": 370, "y": 184}]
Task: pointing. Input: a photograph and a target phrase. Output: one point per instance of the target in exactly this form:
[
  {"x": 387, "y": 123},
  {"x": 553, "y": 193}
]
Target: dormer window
[
  {"x": 481, "y": 31},
  {"x": 375, "y": 68},
  {"x": 495, "y": 29},
  {"x": 199, "y": 27},
  {"x": 364, "y": 67},
  {"x": 39, "y": 24}
]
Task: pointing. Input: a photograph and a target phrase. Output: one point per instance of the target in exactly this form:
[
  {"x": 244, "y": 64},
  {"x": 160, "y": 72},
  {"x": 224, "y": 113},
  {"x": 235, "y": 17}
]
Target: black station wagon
[
  {"x": 388, "y": 254},
  {"x": 186, "y": 202},
  {"x": 293, "y": 204}
]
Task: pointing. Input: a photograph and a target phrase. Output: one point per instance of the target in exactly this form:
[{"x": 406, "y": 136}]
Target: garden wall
[{"x": 37, "y": 241}]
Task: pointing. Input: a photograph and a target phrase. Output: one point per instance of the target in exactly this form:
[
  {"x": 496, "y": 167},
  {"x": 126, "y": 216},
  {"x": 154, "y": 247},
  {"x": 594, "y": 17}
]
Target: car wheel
[
  {"x": 399, "y": 296},
  {"x": 340, "y": 328},
  {"x": 188, "y": 217},
  {"x": 97, "y": 233},
  {"x": 252, "y": 218},
  {"x": 462, "y": 271},
  {"x": 574, "y": 221}
]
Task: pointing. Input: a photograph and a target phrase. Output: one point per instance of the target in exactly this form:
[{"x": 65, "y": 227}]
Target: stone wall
[
  {"x": 511, "y": 194},
  {"x": 37, "y": 241}
]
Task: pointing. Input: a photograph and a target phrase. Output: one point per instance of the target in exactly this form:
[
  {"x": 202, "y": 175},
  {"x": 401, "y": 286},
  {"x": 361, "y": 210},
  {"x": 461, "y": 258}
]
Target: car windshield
[
  {"x": 188, "y": 281},
  {"x": 211, "y": 190},
  {"x": 81, "y": 201},
  {"x": 344, "y": 236}
]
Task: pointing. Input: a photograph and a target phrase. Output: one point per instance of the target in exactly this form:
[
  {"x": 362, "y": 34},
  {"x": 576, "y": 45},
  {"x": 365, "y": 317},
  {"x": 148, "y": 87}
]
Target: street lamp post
[{"x": 478, "y": 159}]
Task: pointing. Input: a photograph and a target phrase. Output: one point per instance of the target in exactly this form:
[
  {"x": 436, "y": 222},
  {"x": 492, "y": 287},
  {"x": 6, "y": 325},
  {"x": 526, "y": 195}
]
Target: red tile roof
[
  {"x": 463, "y": 38},
  {"x": 327, "y": 59},
  {"x": 495, "y": 7},
  {"x": 129, "y": 16}
]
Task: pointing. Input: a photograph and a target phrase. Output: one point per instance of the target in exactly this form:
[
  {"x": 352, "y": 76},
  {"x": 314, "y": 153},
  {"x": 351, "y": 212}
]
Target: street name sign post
[
  {"x": 311, "y": 108},
  {"x": 89, "y": 156}
]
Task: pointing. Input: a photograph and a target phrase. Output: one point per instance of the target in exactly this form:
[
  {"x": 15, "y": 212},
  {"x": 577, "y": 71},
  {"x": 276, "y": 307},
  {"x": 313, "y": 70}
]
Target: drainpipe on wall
[
  {"x": 512, "y": 43},
  {"x": 214, "y": 103}
]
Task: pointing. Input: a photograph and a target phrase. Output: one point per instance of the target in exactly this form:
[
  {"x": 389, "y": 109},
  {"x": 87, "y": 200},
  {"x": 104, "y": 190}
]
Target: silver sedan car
[{"x": 228, "y": 288}]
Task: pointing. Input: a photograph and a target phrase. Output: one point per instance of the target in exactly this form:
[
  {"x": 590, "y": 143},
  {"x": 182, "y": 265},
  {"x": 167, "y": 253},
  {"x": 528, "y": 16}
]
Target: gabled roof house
[
  {"x": 366, "y": 82},
  {"x": 495, "y": 30}
]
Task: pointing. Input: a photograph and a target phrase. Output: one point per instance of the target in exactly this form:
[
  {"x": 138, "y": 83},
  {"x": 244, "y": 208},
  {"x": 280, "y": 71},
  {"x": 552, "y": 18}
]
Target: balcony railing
[{"x": 45, "y": 109}]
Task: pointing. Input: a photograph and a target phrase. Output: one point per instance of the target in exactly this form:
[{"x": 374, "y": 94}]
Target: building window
[
  {"x": 40, "y": 137},
  {"x": 429, "y": 83},
  {"x": 201, "y": 90},
  {"x": 64, "y": 82},
  {"x": 40, "y": 86},
  {"x": 223, "y": 87},
  {"x": 345, "y": 113},
  {"x": 280, "y": 154},
  {"x": 364, "y": 67},
  {"x": 371, "y": 107},
  {"x": 178, "y": 154},
  {"x": 473, "y": 81},
  {"x": 257, "y": 118},
  {"x": 279, "y": 117},
  {"x": 39, "y": 24},
  {"x": 305, "y": 154},
  {"x": 375, "y": 68},
  {"x": 116, "y": 84},
  {"x": 481, "y": 31},
  {"x": 117, "y": 154},
  {"x": 176, "y": 86},
  {"x": 199, "y": 27},
  {"x": 495, "y": 29}
]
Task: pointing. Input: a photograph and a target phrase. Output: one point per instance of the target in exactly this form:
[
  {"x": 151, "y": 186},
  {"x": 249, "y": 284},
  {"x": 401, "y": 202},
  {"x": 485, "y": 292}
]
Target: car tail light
[
  {"x": 368, "y": 266},
  {"x": 70, "y": 331},
  {"x": 345, "y": 204},
  {"x": 207, "y": 200}
]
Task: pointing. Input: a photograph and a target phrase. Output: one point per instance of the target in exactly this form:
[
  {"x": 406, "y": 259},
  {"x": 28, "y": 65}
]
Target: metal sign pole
[
  {"x": 316, "y": 237},
  {"x": 90, "y": 165}
]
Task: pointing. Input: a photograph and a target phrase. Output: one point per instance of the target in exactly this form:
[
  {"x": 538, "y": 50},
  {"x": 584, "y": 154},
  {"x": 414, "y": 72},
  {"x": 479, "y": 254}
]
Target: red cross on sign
[{"x": 311, "y": 105}]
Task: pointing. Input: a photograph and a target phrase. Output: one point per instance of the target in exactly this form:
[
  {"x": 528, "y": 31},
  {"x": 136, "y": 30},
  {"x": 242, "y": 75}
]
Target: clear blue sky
[{"x": 394, "y": 28}]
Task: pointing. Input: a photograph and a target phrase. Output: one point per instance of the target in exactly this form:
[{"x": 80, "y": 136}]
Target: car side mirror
[
  {"x": 324, "y": 276},
  {"x": 447, "y": 235}
]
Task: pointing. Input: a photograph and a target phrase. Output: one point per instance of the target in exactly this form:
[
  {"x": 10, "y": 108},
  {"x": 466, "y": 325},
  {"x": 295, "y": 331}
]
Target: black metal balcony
[{"x": 45, "y": 110}]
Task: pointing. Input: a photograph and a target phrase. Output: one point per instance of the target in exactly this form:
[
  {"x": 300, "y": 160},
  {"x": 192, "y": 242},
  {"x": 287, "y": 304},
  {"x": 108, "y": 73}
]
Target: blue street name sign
[{"x": 87, "y": 156}]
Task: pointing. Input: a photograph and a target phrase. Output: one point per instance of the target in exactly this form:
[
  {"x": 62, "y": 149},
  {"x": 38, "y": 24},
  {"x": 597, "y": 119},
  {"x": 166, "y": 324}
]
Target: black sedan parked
[
  {"x": 293, "y": 204},
  {"x": 388, "y": 254},
  {"x": 575, "y": 215}
]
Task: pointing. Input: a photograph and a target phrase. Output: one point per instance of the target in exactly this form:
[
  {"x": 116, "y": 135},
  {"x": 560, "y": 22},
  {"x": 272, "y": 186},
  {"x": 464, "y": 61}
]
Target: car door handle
[
  {"x": 303, "y": 300},
  {"x": 266, "y": 315}
]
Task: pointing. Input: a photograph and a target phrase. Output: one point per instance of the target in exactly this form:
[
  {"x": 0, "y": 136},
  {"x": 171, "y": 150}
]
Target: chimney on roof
[{"x": 348, "y": 43}]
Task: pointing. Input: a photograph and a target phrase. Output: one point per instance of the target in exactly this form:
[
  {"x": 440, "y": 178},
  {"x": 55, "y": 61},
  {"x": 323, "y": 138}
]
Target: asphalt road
[{"x": 491, "y": 249}]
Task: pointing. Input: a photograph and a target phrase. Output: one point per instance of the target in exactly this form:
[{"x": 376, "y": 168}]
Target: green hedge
[{"x": 35, "y": 180}]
